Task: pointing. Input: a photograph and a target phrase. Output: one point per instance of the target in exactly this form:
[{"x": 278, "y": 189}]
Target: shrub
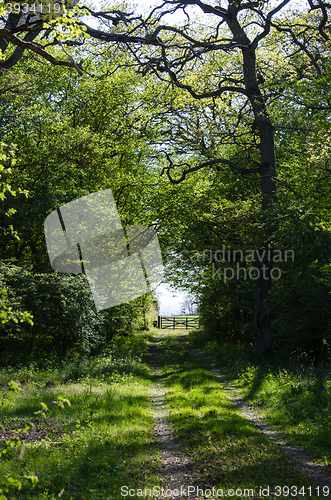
[{"x": 65, "y": 322}]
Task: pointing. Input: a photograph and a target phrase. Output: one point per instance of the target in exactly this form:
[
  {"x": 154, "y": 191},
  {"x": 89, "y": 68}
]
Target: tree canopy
[{"x": 230, "y": 105}]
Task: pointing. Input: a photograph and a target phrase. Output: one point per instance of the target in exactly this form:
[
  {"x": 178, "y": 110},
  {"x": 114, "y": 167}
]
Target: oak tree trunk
[{"x": 262, "y": 123}]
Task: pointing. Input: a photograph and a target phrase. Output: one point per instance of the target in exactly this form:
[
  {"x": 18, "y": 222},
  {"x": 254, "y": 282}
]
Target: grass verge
[{"x": 293, "y": 395}]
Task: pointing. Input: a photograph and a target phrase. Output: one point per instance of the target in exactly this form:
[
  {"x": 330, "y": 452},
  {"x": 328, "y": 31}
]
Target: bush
[
  {"x": 63, "y": 312},
  {"x": 301, "y": 300},
  {"x": 65, "y": 322}
]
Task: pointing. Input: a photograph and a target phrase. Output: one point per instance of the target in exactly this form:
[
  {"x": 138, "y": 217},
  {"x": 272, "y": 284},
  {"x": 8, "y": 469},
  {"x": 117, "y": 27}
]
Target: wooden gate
[{"x": 185, "y": 322}]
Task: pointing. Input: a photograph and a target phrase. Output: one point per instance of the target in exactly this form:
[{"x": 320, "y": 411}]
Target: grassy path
[
  {"x": 228, "y": 451},
  {"x": 136, "y": 422},
  {"x": 175, "y": 467}
]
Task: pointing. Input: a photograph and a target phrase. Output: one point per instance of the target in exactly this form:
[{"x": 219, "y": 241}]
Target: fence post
[
  {"x": 159, "y": 322},
  {"x": 186, "y": 323},
  {"x": 174, "y": 322}
]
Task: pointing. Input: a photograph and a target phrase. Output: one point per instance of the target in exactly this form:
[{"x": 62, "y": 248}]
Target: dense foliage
[
  {"x": 65, "y": 323},
  {"x": 83, "y": 135},
  {"x": 69, "y": 133}
]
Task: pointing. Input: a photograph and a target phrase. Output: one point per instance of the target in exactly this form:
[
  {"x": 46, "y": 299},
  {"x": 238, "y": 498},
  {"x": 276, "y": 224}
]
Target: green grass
[
  {"x": 92, "y": 432},
  {"x": 294, "y": 396},
  {"x": 87, "y": 450},
  {"x": 229, "y": 451}
]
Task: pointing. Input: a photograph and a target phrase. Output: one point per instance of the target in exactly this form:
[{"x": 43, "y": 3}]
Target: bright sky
[
  {"x": 144, "y": 7},
  {"x": 147, "y": 5},
  {"x": 170, "y": 302}
]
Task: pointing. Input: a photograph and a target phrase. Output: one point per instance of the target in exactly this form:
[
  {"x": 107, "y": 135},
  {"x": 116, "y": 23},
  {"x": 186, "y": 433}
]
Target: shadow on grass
[
  {"x": 294, "y": 396},
  {"x": 226, "y": 447},
  {"x": 91, "y": 466},
  {"x": 256, "y": 383}
]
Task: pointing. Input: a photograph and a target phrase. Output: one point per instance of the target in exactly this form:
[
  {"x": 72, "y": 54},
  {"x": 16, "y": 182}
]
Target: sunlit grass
[
  {"x": 91, "y": 432},
  {"x": 292, "y": 394}
]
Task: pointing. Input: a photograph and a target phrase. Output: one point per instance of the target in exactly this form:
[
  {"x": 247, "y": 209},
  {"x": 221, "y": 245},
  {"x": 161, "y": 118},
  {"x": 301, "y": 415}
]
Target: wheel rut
[{"x": 176, "y": 470}]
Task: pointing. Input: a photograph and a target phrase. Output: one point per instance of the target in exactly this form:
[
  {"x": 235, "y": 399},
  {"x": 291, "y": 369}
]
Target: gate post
[
  {"x": 159, "y": 321},
  {"x": 174, "y": 322}
]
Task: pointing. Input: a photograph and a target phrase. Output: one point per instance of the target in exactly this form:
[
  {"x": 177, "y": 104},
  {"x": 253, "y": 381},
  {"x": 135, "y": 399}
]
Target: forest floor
[{"x": 157, "y": 420}]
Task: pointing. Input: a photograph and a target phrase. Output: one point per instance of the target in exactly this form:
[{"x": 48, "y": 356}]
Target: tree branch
[
  {"x": 209, "y": 163},
  {"x": 175, "y": 81},
  {"x": 298, "y": 195},
  {"x": 268, "y": 19},
  {"x": 28, "y": 45}
]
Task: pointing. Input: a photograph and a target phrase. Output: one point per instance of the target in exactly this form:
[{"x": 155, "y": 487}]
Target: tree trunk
[
  {"x": 262, "y": 123},
  {"x": 262, "y": 323},
  {"x": 262, "y": 326}
]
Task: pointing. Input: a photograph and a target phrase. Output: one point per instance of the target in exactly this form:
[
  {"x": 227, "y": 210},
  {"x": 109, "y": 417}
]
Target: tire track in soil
[
  {"x": 177, "y": 470},
  {"x": 301, "y": 460}
]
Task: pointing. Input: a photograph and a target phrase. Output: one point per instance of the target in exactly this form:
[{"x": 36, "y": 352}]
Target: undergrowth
[{"x": 80, "y": 432}]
